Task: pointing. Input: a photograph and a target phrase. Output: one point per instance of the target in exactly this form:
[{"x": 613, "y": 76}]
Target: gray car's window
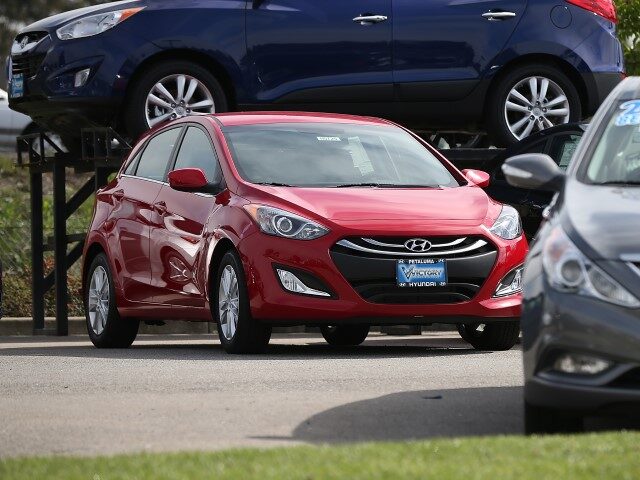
[
  {"x": 155, "y": 158},
  {"x": 333, "y": 155},
  {"x": 616, "y": 159},
  {"x": 196, "y": 151}
]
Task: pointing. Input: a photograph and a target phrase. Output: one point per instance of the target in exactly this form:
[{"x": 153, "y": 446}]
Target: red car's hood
[{"x": 468, "y": 204}]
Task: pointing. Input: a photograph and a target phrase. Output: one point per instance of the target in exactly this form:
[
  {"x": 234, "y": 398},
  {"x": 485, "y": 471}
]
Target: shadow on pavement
[
  {"x": 209, "y": 349},
  {"x": 418, "y": 415}
]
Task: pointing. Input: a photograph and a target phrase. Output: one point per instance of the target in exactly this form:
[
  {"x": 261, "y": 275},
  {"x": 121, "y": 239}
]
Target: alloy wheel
[
  {"x": 228, "y": 302},
  {"x": 533, "y": 104},
  {"x": 98, "y": 303},
  {"x": 177, "y": 96}
]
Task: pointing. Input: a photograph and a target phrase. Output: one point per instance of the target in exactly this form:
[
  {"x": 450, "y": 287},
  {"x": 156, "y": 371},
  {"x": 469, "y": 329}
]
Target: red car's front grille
[{"x": 369, "y": 265}]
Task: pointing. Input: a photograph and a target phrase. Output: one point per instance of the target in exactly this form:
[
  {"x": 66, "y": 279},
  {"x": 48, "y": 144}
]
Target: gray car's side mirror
[{"x": 533, "y": 171}]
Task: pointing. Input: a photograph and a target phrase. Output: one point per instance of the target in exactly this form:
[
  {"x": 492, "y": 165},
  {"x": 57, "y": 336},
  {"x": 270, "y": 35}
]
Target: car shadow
[
  {"x": 417, "y": 415},
  {"x": 208, "y": 348}
]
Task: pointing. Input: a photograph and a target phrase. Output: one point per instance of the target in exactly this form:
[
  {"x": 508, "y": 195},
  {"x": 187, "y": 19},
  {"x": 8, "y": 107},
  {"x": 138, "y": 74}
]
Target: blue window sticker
[{"x": 631, "y": 114}]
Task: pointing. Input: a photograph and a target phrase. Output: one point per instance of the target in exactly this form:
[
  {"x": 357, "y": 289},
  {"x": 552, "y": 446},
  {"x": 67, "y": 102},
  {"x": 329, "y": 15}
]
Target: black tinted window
[
  {"x": 154, "y": 160},
  {"x": 196, "y": 152},
  {"x": 535, "y": 147},
  {"x": 562, "y": 149}
]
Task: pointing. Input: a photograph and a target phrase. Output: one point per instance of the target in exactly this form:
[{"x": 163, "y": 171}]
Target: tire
[
  {"x": 497, "y": 125},
  {"x": 345, "y": 335},
  {"x": 490, "y": 336},
  {"x": 135, "y": 113},
  {"x": 541, "y": 420},
  {"x": 237, "y": 330},
  {"x": 112, "y": 331}
]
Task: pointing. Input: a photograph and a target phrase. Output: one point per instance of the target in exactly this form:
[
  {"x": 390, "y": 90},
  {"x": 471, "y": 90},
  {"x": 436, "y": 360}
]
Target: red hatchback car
[{"x": 261, "y": 219}]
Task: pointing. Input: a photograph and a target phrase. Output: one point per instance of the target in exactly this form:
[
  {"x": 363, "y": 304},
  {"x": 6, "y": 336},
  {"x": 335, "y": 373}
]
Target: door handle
[
  {"x": 160, "y": 207},
  {"x": 118, "y": 194},
  {"x": 369, "y": 19},
  {"x": 497, "y": 16}
]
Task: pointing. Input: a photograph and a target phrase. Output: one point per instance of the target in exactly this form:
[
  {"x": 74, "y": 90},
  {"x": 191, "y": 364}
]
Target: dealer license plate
[
  {"x": 17, "y": 85},
  {"x": 421, "y": 273}
]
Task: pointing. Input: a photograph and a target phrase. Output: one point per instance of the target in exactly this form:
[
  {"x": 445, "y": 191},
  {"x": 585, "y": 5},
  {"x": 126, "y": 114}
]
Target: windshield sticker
[
  {"x": 329, "y": 139},
  {"x": 631, "y": 114},
  {"x": 361, "y": 160}
]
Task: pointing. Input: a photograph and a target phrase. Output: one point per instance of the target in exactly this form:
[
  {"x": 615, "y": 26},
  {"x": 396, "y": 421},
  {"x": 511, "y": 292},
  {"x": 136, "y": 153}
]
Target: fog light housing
[
  {"x": 580, "y": 364},
  {"x": 292, "y": 283},
  {"x": 511, "y": 283},
  {"x": 81, "y": 77}
]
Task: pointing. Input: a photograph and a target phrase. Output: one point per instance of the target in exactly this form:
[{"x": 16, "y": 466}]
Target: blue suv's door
[
  {"x": 437, "y": 41},
  {"x": 311, "y": 51}
]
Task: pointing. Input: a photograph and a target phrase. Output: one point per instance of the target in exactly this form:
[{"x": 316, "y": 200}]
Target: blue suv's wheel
[
  {"x": 170, "y": 90},
  {"x": 528, "y": 99}
]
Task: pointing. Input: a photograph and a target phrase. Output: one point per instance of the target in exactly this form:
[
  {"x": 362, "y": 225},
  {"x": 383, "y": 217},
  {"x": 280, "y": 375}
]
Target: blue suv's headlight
[{"x": 94, "y": 24}]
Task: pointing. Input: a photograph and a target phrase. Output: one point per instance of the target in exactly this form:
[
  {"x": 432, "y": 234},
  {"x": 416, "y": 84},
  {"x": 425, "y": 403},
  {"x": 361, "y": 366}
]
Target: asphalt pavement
[{"x": 178, "y": 392}]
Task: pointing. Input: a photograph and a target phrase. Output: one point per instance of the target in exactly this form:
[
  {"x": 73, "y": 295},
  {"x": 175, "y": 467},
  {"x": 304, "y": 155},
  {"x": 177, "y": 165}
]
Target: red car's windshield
[{"x": 334, "y": 155}]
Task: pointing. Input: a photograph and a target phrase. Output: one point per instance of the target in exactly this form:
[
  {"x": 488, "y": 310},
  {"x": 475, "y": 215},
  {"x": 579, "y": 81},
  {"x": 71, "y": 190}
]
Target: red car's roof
[{"x": 253, "y": 118}]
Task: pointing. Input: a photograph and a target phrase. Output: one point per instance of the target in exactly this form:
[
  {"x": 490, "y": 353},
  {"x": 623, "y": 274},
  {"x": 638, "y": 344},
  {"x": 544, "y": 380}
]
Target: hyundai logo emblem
[{"x": 418, "y": 245}]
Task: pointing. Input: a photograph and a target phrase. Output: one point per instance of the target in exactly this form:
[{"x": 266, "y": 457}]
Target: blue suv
[{"x": 508, "y": 67}]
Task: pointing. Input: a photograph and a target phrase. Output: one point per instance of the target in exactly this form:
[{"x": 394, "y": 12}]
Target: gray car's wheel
[
  {"x": 528, "y": 99},
  {"x": 540, "y": 420},
  {"x": 105, "y": 326},
  {"x": 345, "y": 335},
  {"x": 490, "y": 336},
  {"x": 238, "y": 331},
  {"x": 171, "y": 90}
]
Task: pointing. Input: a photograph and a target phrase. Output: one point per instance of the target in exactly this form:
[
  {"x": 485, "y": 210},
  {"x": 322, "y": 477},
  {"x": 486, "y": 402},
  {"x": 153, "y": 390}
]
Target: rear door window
[{"x": 155, "y": 158}]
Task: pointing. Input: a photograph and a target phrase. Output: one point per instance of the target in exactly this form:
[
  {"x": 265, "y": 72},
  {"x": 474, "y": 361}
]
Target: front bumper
[
  {"x": 51, "y": 98},
  {"x": 561, "y": 322},
  {"x": 270, "y": 302}
]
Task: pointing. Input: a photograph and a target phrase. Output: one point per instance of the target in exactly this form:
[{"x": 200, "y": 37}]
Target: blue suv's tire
[
  {"x": 514, "y": 111},
  {"x": 169, "y": 90}
]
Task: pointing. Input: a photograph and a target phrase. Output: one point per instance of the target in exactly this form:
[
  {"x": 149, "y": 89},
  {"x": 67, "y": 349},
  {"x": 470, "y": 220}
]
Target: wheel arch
[
  {"x": 222, "y": 246},
  {"x": 91, "y": 252},
  {"x": 212, "y": 64},
  {"x": 546, "y": 59}
]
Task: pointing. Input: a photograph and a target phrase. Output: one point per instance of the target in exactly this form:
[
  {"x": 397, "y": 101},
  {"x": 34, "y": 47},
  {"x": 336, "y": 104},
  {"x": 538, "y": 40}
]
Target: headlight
[
  {"x": 94, "y": 24},
  {"x": 508, "y": 225},
  {"x": 569, "y": 270},
  {"x": 281, "y": 223}
]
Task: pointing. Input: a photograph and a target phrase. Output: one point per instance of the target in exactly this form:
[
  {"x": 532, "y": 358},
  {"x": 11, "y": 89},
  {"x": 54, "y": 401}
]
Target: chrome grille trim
[
  {"x": 401, "y": 245},
  {"x": 352, "y": 246}
]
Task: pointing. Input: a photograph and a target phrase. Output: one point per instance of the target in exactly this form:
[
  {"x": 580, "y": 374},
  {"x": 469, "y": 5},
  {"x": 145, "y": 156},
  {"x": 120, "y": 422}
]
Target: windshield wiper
[
  {"x": 619, "y": 182},
  {"x": 385, "y": 185},
  {"x": 274, "y": 184}
]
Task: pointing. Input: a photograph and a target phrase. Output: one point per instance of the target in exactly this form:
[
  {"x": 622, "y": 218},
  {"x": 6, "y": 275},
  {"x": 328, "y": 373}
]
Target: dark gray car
[{"x": 581, "y": 307}]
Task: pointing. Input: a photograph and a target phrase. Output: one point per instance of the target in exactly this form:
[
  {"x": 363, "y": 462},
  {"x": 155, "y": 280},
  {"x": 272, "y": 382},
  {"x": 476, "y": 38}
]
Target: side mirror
[
  {"x": 533, "y": 171},
  {"x": 191, "y": 180},
  {"x": 477, "y": 177}
]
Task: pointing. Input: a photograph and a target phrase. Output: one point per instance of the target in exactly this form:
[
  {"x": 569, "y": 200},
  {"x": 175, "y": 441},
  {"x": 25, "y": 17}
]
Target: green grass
[
  {"x": 597, "y": 456},
  {"x": 15, "y": 228}
]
